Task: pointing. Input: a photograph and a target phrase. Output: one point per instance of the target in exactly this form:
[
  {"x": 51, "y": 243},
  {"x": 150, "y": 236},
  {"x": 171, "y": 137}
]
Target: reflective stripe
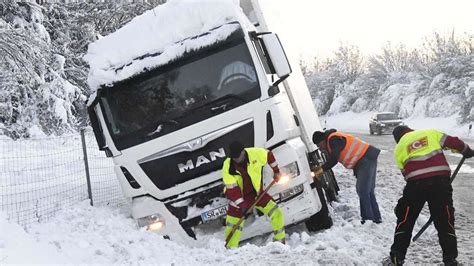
[
  {"x": 274, "y": 164},
  {"x": 279, "y": 231},
  {"x": 352, "y": 152},
  {"x": 230, "y": 186},
  {"x": 405, "y": 219},
  {"x": 272, "y": 210},
  {"x": 349, "y": 152},
  {"x": 428, "y": 170},
  {"x": 424, "y": 157},
  {"x": 443, "y": 139},
  {"x": 231, "y": 203},
  {"x": 239, "y": 200},
  {"x": 355, "y": 157}
]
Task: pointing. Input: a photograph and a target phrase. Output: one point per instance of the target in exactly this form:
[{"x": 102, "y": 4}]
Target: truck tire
[
  {"x": 332, "y": 187},
  {"x": 379, "y": 131},
  {"x": 320, "y": 220},
  {"x": 371, "y": 131}
]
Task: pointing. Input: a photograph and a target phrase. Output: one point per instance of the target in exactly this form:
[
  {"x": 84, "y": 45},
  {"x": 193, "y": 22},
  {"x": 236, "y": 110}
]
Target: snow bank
[
  {"x": 19, "y": 247},
  {"x": 160, "y": 31}
]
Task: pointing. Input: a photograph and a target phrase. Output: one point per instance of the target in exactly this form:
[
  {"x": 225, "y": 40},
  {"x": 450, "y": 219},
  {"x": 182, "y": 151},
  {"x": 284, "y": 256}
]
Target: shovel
[{"x": 234, "y": 228}]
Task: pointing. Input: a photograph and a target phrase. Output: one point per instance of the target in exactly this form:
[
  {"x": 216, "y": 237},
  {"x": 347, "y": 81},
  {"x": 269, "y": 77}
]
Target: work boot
[
  {"x": 392, "y": 261},
  {"x": 450, "y": 262}
]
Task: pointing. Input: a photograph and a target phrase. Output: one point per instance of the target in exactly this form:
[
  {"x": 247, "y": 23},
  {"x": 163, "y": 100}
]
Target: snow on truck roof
[{"x": 159, "y": 36}]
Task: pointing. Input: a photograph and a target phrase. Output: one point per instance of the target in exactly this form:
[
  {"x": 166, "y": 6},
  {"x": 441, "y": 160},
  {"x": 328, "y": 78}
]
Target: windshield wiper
[
  {"x": 161, "y": 123},
  {"x": 221, "y": 103}
]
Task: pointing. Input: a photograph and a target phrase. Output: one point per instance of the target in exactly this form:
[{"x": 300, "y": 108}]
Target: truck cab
[{"x": 167, "y": 119}]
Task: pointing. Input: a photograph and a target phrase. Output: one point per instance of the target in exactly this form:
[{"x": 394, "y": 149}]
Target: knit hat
[
  {"x": 318, "y": 136},
  {"x": 235, "y": 149},
  {"x": 399, "y": 131}
]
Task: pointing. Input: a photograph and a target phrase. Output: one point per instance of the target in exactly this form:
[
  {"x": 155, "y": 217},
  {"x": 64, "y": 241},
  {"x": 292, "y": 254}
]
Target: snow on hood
[{"x": 164, "y": 33}]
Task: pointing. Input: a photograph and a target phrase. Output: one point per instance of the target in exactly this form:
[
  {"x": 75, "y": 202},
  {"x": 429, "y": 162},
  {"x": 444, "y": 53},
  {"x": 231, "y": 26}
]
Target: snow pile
[
  {"x": 164, "y": 32},
  {"x": 19, "y": 247}
]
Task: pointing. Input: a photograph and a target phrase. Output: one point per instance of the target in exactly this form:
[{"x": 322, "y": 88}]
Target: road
[{"x": 426, "y": 249}]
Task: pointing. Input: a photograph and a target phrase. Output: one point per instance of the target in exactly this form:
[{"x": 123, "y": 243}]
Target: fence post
[{"x": 86, "y": 165}]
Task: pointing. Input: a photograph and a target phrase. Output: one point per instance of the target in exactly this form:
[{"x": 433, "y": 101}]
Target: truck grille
[{"x": 169, "y": 171}]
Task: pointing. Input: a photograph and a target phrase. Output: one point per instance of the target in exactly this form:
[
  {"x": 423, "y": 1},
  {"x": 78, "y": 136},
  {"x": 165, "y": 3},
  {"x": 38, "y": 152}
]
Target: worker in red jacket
[
  {"x": 419, "y": 155},
  {"x": 243, "y": 179}
]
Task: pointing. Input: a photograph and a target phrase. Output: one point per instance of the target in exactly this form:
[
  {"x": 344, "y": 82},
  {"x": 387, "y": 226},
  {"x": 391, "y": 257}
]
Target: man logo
[
  {"x": 201, "y": 159},
  {"x": 417, "y": 144}
]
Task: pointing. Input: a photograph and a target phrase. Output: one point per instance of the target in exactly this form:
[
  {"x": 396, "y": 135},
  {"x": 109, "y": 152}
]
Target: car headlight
[
  {"x": 154, "y": 222},
  {"x": 291, "y": 170}
]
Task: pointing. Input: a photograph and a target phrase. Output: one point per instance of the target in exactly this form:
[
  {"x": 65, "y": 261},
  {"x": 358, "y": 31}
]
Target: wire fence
[{"x": 40, "y": 176}]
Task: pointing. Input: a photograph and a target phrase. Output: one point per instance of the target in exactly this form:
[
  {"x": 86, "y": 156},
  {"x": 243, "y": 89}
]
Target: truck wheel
[
  {"x": 331, "y": 195},
  {"x": 371, "y": 131},
  {"x": 333, "y": 188},
  {"x": 320, "y": 220},
  {"x": 379, "y": 131}
]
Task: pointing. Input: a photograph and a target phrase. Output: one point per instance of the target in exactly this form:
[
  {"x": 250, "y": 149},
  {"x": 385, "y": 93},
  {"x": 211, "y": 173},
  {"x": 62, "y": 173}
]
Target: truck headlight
[
  {"x": 290, "y": 170},
  {"x": 382, "y": 124},
  {"x": 154, "y": 222},
  {"x": 289, "y": 193}
]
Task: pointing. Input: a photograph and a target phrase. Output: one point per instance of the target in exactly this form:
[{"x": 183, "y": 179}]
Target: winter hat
[
  {"x": 235, "y": 149},
  {"x": 399, "y": 131},
  {"x": 318, "y": 136}
]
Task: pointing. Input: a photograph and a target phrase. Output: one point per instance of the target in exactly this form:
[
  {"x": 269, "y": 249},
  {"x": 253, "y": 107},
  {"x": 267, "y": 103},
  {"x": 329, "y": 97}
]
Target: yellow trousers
[{"x": 271, "y": 210}]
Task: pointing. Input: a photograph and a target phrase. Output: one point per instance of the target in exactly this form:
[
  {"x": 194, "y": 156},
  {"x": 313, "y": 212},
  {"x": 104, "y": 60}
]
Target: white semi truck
[{"x": 175, "y": 86}]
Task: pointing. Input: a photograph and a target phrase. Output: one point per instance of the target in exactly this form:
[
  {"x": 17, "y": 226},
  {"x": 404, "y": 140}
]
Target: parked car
[{"x": 384, "y": 123}]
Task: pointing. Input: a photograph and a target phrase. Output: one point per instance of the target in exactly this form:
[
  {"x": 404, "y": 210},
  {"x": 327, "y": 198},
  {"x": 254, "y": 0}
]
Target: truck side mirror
[
  {"x": 276, "y": 54},
  {"x": 273, "y": 90}
]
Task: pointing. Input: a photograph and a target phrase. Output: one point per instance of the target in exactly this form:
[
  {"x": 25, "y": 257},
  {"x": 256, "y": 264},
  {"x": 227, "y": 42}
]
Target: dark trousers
[{"x": 437, "y": 191}]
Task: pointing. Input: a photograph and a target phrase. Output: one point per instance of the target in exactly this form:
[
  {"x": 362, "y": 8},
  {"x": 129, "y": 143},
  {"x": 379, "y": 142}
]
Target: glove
[
  {"x": 277, "y": 177},
  {"x": 468, "y": 153},
  {"x": 244, "y": 212},
  {"x": 318, "y": 172},
  {"x": 244, "y": 207}
]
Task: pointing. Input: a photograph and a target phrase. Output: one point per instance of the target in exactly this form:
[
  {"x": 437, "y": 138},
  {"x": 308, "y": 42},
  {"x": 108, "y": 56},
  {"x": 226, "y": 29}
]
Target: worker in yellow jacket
[
  {"x": 242, "y": 176},
  {"x": 419, "y": 155}
]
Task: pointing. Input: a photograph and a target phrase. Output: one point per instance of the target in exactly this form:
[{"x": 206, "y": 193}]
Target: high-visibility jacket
[
  {"x": 419, "y": 153},
  {"x": 257, "y": 159},
  {"x": 353, "y": 151}
]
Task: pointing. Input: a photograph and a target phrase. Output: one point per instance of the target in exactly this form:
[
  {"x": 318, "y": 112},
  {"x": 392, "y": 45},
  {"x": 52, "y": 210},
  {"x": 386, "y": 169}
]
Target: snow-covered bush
[
  {"x": 42, "y": 73},
  {"x": 431, "y": 81}
]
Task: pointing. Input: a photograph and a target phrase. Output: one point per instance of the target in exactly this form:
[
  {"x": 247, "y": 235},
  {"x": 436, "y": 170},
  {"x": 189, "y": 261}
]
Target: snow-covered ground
[{"x": 108, "y": 235}]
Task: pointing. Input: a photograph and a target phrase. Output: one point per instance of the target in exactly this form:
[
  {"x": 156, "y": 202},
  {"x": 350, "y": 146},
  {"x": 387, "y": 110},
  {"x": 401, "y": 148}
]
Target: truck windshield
[{"x": 199, "y": 85}]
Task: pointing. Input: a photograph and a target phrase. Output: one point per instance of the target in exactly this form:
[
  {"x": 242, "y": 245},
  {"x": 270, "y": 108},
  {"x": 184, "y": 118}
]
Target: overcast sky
[{"x": 316, "y": 27}]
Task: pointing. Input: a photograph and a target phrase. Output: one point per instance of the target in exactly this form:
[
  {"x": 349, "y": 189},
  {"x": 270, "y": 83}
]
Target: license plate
[{"x": 214, "y": 214}]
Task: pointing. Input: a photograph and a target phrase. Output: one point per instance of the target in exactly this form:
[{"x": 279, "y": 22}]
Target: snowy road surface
[{"x": 106, "y": 235}]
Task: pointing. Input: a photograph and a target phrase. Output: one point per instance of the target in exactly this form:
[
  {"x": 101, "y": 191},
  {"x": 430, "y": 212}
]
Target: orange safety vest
[{"x": 353, "y": 151}]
